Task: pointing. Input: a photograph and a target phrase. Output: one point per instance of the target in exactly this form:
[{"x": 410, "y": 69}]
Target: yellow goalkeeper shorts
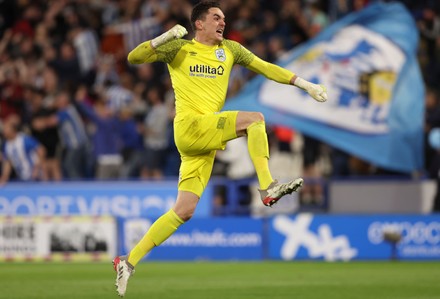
[{"x": 197, "y": 138}]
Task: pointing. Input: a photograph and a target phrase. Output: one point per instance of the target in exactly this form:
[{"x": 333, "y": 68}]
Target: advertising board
[
  {"x": 119, "y": 199},
  {"x": 350, "y": 237},
  {"x": 57, "y": 238},
  {"x": 200, "y": 239}
]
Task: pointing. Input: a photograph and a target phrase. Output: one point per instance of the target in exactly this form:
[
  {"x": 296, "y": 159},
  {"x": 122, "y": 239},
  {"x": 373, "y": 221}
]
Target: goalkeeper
[{"x": 199, "y": 71}]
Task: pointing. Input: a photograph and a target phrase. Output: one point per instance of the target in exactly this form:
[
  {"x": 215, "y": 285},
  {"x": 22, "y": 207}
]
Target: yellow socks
[
  {"x": 161, "y": 230},
  {"x": 140, "y": 250},
  {"x": 258, "y": 147}
]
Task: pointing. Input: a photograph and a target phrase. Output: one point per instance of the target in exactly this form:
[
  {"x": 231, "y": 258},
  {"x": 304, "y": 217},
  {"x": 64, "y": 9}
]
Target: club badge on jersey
[{"x": 220, "y": 54}]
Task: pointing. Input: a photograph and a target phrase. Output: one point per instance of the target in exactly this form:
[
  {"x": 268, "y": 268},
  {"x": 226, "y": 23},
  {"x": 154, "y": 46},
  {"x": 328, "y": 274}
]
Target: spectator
[
  {"x": 46, "y": 135},
  {"x": 106, "y": 73},
  {"x": 132, "y": 150},
  {"x": 429, "y": 26},
  {"x": 75, "y": 161},
  {"x": 276, "y": 48},
  {"x": 339, "y": 9},
  {"x": 312, "y": 191},
  {"x": 135, "y": 29},
  {"x": 434, "y": 143},
  {"x": 21, "y": 153},
  {"x": 106, "y": 137},
  {"x": 340, "y": 163},
  {"x": 120, "y": 95},
  {"x": 11, "y": 91},
  {"x": 48, "y": 81},
  {"x": 155, "y": 134},
  {"x": 157, "y": 9},
  {"x": 271, "y": 27},
  {"x": 317, "y": 19},
  {"x": 293, "y": 16},
  {"x": 432, "y": 120},
  {"x": 85, "y": 42},
  {"x": 66, "y": 65}
]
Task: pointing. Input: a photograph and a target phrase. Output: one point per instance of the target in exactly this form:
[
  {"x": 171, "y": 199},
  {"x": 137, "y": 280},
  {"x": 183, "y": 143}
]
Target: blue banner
[
  {"x": 368, "y": 63},
  {"x": 200, "y": 239},
  {"x": 120, "y": 199},
  {"x": 351, "y": 237}
]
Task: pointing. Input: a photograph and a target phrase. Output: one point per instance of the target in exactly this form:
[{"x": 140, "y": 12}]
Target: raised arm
[{"x": 145, "y": 52}]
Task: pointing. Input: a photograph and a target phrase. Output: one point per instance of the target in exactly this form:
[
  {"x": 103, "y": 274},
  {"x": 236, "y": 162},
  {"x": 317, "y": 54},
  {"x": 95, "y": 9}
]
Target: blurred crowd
[{"x": 71, "y": 107}]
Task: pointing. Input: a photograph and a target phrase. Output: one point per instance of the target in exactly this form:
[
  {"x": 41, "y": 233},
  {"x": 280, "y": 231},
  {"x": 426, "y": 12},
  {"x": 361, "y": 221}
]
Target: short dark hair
[{"x": 200, "y": 10}]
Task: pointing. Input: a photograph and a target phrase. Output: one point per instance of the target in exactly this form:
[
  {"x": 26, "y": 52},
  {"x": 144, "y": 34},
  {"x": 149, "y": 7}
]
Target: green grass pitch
[{"x": 229, "y": 280}]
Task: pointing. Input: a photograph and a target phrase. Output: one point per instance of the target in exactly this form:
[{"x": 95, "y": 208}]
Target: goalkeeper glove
[
  {"x": 318, "y": 92},
  {"x": 176, "y": 32}
]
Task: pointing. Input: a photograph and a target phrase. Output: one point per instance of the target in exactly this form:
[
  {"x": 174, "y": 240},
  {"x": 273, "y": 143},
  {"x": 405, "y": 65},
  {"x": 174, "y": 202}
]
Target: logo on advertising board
[
  {"x": 420, "y": 239},
  {"x": 18, "y": 237},
  {"x": 346, "y": 237},
  {"x": 121, "y": 199},
  {"x": 201, "y": 238},
  {"x": 133, "y": 231},
  {"x": 57, "y": 238},
  {"x": 319, "y": 243}
]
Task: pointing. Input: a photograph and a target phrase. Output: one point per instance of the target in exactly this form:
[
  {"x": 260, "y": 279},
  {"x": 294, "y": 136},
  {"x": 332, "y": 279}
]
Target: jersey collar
[{"x": 203, "y": 46}]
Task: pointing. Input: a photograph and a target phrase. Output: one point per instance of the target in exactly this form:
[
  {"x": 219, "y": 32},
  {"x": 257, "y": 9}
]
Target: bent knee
[
  {"x": 185, "y": 215},
  {"x": 257, "y": 116},
  {"x": 246, "y": 119},
  {"x": 186, "y": 202}
]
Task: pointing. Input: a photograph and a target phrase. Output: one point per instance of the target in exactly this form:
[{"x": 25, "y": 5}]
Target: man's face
[
  {"x": 214, "y": 25},
  {"x": 8, "y": 131}
]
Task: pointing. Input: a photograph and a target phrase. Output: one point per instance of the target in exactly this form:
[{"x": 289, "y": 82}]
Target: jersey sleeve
[
  {"x": 242, "y": 56},
  {"x": 249, "y": 60},
  {"x": 271, "y": 71},
  {"x": 62, "y": 116},
  {"x": 144, "y": 53},
  {"x": 30, "y": 143}
]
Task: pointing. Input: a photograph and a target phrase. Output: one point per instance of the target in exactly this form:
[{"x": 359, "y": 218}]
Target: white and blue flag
[{"x": 375, "y": 107}]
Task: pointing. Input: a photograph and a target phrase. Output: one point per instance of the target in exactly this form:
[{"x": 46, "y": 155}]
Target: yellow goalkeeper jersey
[{"x": 200, "y": 73}]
